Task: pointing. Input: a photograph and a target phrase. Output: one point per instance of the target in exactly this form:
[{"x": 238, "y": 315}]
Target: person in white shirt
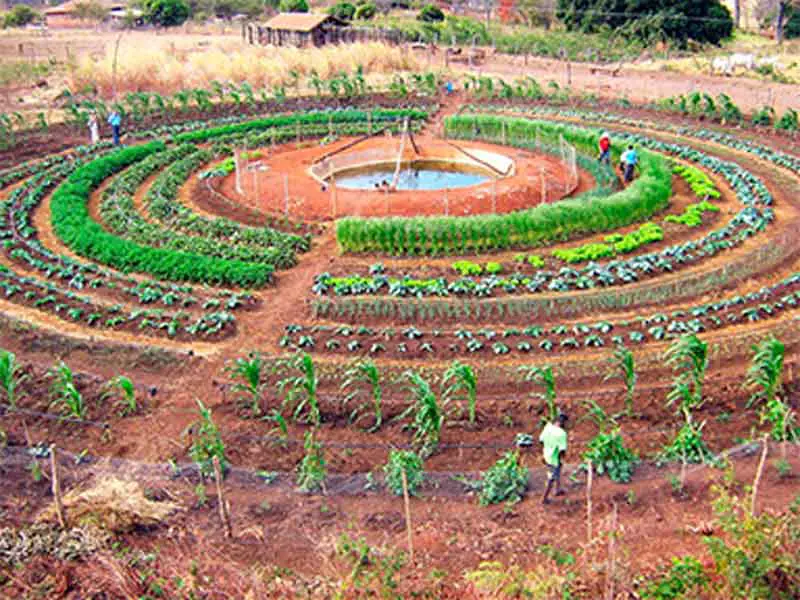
[{"x": 554, "y": 441}]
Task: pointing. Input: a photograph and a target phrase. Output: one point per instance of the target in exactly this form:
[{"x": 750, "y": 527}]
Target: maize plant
[
  {"x": 460, "y": 380},
  {"x": 207, "y": 443},
  {"x": 301, "y": 390},
  {"x": 426, "y": 412},
  {"x": 688, "y": 357},
  {"x": 765, "y": 371},
  {"x": 543, "y": 377},
  {"x": 123, "y": 387},
  {"x": 249, "y": 373},
  {"x": 11, "y": 377},
  {"x": 623, "y": 366},
  {"x": 65, "y": 393},
  {"x": 364, "y": 372}
]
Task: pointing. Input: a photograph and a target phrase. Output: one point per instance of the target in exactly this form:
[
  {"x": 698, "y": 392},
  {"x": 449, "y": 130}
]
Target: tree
[
  {"x": 366, "y": 11},
  {"x": 343, "y": 10},
  {"x": 293, "y": 6},
  {"x": 90, "y": 10},
  {"x": 787, "y": 20},
  {"x": 705, "y": 21},
  {"x": 19, "y": 16},
  {"x": 166, "y": 13},
  {"x": 431, "y": 13},
  {"x": 537, "y": 12}
]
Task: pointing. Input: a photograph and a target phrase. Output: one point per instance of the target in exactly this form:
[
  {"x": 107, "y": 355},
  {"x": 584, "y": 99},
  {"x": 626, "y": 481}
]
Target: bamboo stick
[
  {"x": 55, "y": 484},
  {"x": 408, "y": 516}
]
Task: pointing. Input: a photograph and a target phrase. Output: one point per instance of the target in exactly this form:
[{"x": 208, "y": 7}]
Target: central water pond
[{"x": 418, "y": 175}]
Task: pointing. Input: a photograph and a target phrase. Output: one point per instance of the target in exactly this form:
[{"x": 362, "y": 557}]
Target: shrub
[
  {"x": 756, "y": 558},
  {"x": 684, "y": 579},
  {"x": 366, "y": 11},
  {"x": 607, "y": 454},
  {"x": 293, "y": 6},
  {"x": 431, "y": 13},
  {"x": 400, "y": 461},
  {"x": 166, "y": 13},
  {"x": 343, "y": 10},
  {"x": 688, "y": 446},
  {"x": 505, "y": 481},
  {"x": 789, "y": 120},
  {"x": 19, "y": 16},
  {"x": 678, "y": 20}
]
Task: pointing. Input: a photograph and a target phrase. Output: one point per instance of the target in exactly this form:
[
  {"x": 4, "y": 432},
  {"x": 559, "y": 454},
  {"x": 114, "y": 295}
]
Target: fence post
[
  {"x": 446, "y": 203},
  {"x": 369, "y": 122},
  {"x": 335, "y": 194},
  {"x": 408, "y": 515},
  {"x": 297, "y": 130},
  {"x": 494, "y": 195},
  {"x": 224, "y": 512},
  {"x": 55, "y": 482},
  {"x": 237, "y": 167},
  {"x": 760, "y": 470},
  {"x": 589, "y": 503},
  {"x": 330, "y": 126},
  {"x": 612, "y": 558}
]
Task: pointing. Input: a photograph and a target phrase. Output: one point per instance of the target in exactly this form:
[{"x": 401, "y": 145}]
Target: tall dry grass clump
[{"x": 155, "y": 68}]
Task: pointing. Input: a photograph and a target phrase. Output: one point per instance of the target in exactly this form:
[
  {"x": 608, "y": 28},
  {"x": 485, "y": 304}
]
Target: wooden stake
[
  {"x": 589, "y": 503},
  {"x": 758, "y": 475},
  {"x": 27, "y": 434},
  {"x": 224, "y": 508},
  {"x": 408, "y": 515},
  {"x": 612, "y": 559},
  {"x": 55, "y": 484}
]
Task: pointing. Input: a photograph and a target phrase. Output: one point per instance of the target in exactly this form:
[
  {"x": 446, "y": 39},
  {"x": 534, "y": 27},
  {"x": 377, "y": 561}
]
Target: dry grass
[
  {"x": 114, "y": 504},
  {"x": 153, "y": 67}
]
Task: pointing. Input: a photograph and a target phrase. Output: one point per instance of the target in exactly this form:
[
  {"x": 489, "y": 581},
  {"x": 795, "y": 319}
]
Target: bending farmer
[
  {"x": 605, "y": 148},
  {"x": 629, "y": 160},
  {"x": 554, "y": 439}
]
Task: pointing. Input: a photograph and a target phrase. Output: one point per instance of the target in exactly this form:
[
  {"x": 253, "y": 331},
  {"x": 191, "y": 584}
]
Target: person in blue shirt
[
  {"x": 115, "y": 120},
  {"x": 629, "y": 159},
  {"x": 449, "y": 88}
]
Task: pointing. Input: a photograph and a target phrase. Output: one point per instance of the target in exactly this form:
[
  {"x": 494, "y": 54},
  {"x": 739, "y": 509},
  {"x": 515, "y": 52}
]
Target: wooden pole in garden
[
  {"x": 612, "y": 559},
  {"x": 760, "y": 470},
  {"x": 224, "y": 511},
  {"x": 589, "y": 503},
  {"x": 55, "y": 483},
  {"x": 408, "y": 515}
]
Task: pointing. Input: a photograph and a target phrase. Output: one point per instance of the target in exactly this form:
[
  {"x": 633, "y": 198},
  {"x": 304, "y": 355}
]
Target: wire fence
[{"x": 81, "y": 468}]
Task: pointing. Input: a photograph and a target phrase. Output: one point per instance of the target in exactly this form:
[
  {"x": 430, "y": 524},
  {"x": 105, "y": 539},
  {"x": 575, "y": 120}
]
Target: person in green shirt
[{"x": 554, "y": 441}]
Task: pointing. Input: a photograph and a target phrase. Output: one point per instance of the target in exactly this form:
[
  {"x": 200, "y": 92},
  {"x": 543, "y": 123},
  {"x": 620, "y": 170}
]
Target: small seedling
[{"x": 202, "y": 496}]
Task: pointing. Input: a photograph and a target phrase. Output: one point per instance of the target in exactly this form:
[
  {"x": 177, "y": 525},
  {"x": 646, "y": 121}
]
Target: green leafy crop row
[
  {"x": 75, "y": 227},
  {"x": 537, "y": 226}
]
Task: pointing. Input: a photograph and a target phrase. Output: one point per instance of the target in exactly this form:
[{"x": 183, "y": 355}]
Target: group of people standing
[
  {"x": 628, "y": 160},
  {"x": 114, "y": 119}
]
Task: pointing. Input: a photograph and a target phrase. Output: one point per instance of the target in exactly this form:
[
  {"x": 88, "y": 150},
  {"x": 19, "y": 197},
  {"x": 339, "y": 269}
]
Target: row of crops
[
  {"x": 158, "y": 251},
  {"x": 91, "y": 295},
  {"x": 529, "y": 228}
]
